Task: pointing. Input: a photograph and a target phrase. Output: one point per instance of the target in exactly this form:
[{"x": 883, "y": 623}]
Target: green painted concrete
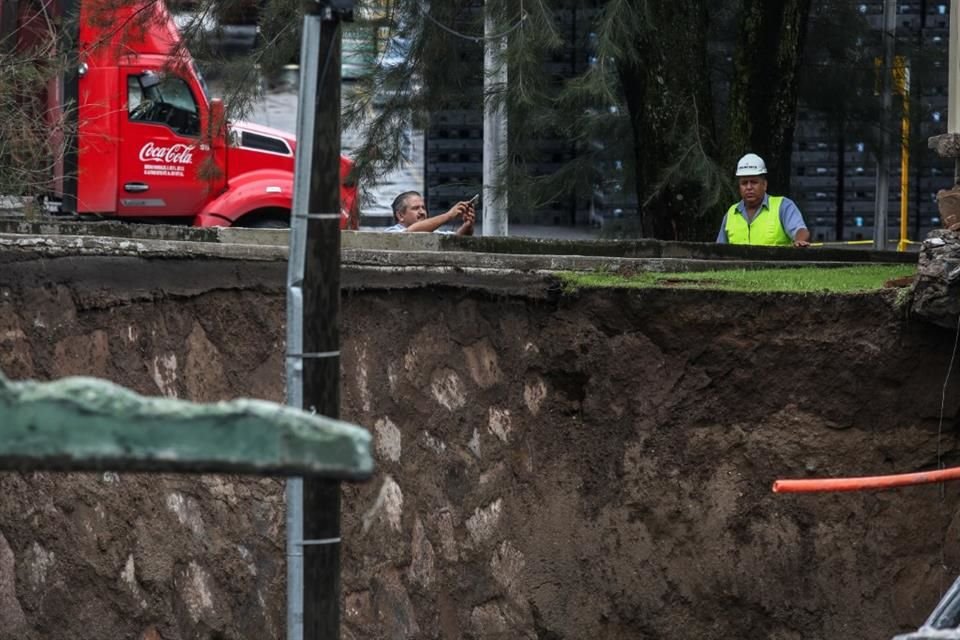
[{"x": 90, "y": 424}]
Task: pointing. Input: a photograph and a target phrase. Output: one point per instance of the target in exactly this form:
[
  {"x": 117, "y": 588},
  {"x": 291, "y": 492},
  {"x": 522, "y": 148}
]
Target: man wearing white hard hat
[{"x": 758, "y": 218}]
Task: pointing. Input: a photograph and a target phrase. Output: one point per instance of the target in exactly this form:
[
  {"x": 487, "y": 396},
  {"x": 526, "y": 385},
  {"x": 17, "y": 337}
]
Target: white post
[
  {"x": 494, "y": 127},
  {"x": 883, "y": 157}
]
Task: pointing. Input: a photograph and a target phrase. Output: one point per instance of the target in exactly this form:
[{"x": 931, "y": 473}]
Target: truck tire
[{"x": 270, "y": 223}]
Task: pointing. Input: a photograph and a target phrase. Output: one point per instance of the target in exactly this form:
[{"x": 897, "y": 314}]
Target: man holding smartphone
[{"x": 410, "y": 214}]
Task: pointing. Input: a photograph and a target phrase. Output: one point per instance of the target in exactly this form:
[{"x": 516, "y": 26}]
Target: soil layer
[{"x": 550, "y": 466}]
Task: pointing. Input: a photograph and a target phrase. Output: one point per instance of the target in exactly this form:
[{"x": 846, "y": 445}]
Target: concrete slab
[
  {"x": 91, "y": 245},
  {"x": 372, "y": 240},
  {"x": 82, "y": 424},
  {"x": 127, "y": 264}
]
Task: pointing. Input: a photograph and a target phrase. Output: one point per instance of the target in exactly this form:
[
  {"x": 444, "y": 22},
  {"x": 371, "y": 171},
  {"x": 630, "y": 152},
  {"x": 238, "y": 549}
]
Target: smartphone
[{"x": 474, "y": 200}]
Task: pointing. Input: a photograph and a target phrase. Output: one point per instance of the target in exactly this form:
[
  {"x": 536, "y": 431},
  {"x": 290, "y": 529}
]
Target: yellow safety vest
[{"x": 764, "y": 230}]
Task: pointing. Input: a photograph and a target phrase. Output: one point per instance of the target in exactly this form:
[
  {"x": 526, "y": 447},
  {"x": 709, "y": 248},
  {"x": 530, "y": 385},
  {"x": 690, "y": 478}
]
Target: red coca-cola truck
[{"x": 144, "y": 139}]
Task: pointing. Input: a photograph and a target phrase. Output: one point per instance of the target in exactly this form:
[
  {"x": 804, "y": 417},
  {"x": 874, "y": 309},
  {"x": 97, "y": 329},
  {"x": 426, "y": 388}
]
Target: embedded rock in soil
[{"x": 936, "y": 296}]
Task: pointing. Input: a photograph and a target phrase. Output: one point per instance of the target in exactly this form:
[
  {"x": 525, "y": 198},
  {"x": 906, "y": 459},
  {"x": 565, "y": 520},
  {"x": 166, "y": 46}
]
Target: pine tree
[
  {"x": 763, "y": 101},
  {"x": 656, "y": 111},
  {"x": 31, "y": 137},
  {"x": 652, "y": 102}
]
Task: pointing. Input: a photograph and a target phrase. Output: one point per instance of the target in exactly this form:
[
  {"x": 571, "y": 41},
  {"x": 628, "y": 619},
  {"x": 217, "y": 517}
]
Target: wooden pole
[
  {"x": 313, "y": 369},
  {"x": 321, "y": 336}
]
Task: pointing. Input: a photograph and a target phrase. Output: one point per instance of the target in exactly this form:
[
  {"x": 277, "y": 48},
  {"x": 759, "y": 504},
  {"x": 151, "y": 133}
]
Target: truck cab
[{"x": 151, "y": 143}]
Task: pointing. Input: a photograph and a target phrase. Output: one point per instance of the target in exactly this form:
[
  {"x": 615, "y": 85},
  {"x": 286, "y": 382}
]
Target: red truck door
[{"x": 160, "y": 147}]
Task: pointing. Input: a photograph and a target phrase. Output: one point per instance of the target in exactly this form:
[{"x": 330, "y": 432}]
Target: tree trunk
[
  {"x": 667, "y": 93},
  {"x": 763, "y": 97}
]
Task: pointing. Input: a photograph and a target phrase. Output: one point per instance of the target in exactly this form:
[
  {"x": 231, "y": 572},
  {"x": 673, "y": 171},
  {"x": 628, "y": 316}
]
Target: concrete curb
[
  {"x": 56, "y": 246},
  {"x": 416, "y": 242},
  {"x": 554, "y": 263},
  {"x": 19, "y": 247}
]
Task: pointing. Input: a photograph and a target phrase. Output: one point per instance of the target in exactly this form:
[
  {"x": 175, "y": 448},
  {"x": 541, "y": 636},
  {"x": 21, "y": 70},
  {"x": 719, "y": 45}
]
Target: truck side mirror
[{"x": 218, "y": 117}]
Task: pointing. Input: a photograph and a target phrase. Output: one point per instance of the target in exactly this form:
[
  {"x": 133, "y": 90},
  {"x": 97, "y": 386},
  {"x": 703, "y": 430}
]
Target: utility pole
[
  {"x": 882, "y": 197},
  {"x": 495, "y": 201},
  {"x": 313, "y": 315}
]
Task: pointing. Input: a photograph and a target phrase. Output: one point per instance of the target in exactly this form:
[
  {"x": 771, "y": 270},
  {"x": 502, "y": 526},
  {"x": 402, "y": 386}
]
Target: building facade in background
[{"x": 834, "y": 168}]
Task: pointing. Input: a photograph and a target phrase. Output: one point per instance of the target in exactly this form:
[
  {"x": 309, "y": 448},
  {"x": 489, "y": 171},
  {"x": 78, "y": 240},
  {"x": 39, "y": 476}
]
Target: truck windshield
[{"x": 168, "y": 103}]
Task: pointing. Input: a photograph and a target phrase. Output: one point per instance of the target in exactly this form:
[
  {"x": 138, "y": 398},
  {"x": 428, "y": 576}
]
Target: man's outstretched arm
[{"x": 434, "y": 223}]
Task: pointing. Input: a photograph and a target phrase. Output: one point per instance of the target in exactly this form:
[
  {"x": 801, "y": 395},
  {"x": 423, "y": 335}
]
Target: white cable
[
  {"x": 943, "y": 393},
  {"x": 943, "y": 402},
  {"x": 495, "y": 36}
]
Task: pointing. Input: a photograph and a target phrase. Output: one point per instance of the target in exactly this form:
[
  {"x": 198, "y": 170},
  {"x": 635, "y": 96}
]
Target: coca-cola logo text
[{"x": 174, "y": 154}]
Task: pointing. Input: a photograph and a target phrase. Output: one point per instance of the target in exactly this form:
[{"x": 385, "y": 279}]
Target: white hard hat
[{"x": 751, "y": 165}]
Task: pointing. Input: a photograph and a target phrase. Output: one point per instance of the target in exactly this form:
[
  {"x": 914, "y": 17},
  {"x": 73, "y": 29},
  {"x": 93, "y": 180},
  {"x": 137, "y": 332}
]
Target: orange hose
[{"x": 867, "y": 483}]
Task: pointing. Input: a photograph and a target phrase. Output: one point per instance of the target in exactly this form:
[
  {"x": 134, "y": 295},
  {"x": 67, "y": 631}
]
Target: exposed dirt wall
[
  {"x": 599, "y": 466},
  {"x": 119, "y": 555},
  {"x": 589, "y": 465}
]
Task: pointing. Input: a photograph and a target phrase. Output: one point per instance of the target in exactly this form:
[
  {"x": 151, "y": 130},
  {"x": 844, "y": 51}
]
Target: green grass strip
[{"x": 794, "y": 280}]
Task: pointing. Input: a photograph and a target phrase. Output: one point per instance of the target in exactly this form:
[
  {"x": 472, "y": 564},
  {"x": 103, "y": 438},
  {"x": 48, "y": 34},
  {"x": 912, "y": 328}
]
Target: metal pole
[
  {"x": 495, "y": 201},
  {"x": 295, "y": 266},
  {"x": 883, "y": 160},
  {"x": 903, "y": 87},
  {"x": 313, "y": 345},
  {"x": 841, "y": 184}
]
